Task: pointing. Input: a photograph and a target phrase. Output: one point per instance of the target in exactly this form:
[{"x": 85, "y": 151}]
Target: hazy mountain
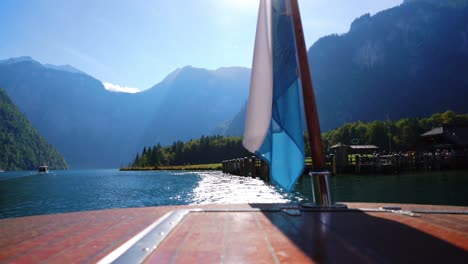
[
  {"x": 235, "y": 127},
  {"x": 94, "y": 127},
  {"x": 66, "y": 67},
  {"x": 17, "y": 60},
  {"x": 407, "y": 61},
  {"x": 21, "y": 145},
  {"x": 197, "y": 101}
]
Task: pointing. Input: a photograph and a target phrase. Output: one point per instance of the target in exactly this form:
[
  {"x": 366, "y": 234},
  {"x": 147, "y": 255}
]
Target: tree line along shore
[{"x": 207, "y": 152}]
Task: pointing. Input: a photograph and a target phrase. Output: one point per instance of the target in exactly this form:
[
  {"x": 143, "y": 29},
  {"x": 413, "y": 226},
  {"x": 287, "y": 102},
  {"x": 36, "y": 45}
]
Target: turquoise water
[{"x": 29, "y": 193}]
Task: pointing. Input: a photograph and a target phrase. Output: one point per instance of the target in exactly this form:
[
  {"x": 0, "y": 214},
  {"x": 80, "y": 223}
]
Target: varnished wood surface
[{"x": 243, "y": 237}]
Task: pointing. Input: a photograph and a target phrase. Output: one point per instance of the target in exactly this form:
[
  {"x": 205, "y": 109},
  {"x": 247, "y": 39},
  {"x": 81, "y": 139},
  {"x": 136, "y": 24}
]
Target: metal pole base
[
  {"x": 333, "y": 206},
  {"x": 320, "y": 184}
]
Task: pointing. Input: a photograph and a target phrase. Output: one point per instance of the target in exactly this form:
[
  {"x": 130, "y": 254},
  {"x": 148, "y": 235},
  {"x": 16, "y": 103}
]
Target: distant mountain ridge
[
  {"x": 22, "y": 148},
  {"x": 66, "y": 67},
  {"x": 446, "y": 3},
  {"x": 96, "y": 128},
  {"x": 17, "y": 60}
]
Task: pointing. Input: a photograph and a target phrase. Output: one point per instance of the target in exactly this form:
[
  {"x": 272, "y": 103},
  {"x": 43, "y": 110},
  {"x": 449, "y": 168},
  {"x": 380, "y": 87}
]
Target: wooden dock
[
  {"x": 357, "y": 164},
  {"x": 247, "y": 166},
  {"x": 399, "y": 163}
]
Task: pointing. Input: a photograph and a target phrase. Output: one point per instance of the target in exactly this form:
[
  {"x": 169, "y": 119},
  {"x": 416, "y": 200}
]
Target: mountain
[
  {"x": 235, "y": 127},
  {"x": 445, "y": 3},
  {"x": 197, "y": 101},
  {"x": 66, "y": 67},
  {"x": 17, "y": 60},
  {"x": 22, "y": 147},
  {"x": 96, "y": 128},
  {"x": 409, "y": 60}
]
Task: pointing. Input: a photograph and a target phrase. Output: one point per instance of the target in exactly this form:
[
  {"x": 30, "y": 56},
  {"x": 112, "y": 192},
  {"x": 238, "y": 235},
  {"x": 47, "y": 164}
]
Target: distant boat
[{"x": 43, "y": 169}]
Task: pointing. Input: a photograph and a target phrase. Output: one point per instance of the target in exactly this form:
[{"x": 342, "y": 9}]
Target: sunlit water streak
[{"x": 215, "y": 187}]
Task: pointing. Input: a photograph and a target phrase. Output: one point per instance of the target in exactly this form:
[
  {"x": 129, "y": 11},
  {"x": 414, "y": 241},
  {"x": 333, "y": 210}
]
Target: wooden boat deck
[{"x": 242, "y": 234}]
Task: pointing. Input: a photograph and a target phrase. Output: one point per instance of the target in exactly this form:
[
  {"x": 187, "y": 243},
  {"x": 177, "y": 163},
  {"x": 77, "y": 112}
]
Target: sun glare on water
[{"x": 218, "y": 188}]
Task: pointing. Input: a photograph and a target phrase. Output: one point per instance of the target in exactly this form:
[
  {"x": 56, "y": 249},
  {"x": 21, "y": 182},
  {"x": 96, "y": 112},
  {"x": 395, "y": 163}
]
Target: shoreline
[{"x": 196, "y": 167}]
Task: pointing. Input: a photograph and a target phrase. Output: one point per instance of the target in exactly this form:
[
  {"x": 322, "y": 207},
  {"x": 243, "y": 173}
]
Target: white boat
[{"x": 43, "y": 169}]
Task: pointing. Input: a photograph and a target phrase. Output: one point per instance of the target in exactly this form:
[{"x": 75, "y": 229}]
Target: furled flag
[{"x": 273, "y": 127}]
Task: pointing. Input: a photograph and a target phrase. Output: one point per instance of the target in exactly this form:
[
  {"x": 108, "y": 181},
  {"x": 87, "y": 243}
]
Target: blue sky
[{"x": 137, "y": 43}]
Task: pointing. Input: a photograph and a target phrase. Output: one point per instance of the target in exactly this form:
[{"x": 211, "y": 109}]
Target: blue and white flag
[{"x": 273, "y": 127}]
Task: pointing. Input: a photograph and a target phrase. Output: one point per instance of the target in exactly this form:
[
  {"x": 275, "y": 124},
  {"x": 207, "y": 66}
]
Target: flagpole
[{"x": 319, "y": 174}]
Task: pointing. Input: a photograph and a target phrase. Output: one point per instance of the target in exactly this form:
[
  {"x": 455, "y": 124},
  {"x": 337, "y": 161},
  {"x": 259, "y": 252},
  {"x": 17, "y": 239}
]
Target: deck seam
[
  {"x": 366, "y": 254},
  {"x": 141, "y": 246},
  {"x": 116, "y": 244},
  {"x": 27, "y": 251},
  {"x": 89, "y": 239},
  {"x": 49, "y": 229},
  {"x": 267, "y": 240},
  {"x": 449, "y": 227},
  {"x": 181, "y": 245},
  {"x": 53, "y": 242},
  {"x": 422, "y": 224},
  {"x": 225, "y": 232}
]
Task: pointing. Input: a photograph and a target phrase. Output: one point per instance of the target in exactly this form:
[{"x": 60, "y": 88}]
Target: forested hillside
[
  {"x": 21, "y": 146},
  {"x": 407, "y": 61},
  {"x": 404, "y": 133}
]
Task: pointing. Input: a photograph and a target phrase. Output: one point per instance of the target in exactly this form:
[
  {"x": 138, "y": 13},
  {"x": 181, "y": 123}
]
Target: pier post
[
  {"x": 242, "y": 167},
  {"x": 333, "y": 164},
  {"x": 264, "y": 172},
  {"x": 234, "y": 166},
  {"x": 252, "y": 167},
  {"x": 358, "y": 163},
  {"x": 246, "y": 167}
]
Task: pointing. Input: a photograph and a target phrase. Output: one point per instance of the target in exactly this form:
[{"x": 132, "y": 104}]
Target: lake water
[{"x": 29, "y": 193}]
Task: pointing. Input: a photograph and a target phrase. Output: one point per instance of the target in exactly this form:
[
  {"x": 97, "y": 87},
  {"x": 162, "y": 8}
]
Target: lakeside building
[{"x": 446, "y": 137}]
